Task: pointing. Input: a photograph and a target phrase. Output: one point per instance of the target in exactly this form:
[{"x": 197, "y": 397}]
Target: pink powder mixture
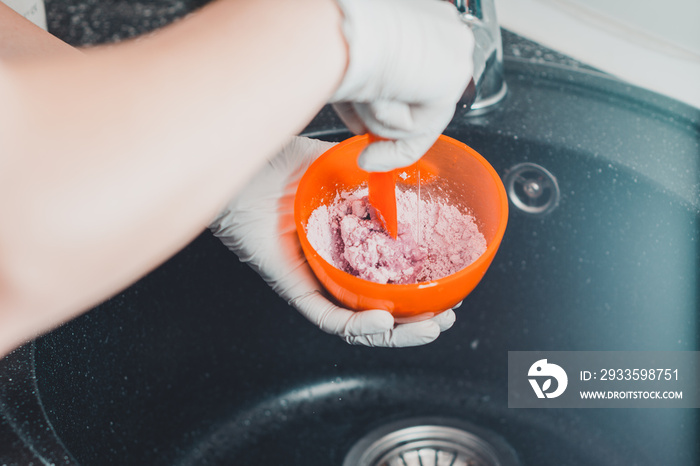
[{"x": 434, "y": 238}]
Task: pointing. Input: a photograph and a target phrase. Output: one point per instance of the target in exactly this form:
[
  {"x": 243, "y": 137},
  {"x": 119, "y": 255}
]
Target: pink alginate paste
[{"x": 434, "y": 238}]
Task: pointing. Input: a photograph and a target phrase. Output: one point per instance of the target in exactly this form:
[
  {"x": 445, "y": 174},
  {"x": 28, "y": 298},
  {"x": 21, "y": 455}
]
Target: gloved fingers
[
  {"x": 393, "y": 119},
  {"x": 403, "y": 335},
  {"x": 297, "y": 155},
  {"x": 387, "y": 119},
  {"x": 411, "y": 334},
  {"x": 404, "y": 147},
  {"x": 369, "y": 322},
  {"x": 346, "y": 111},
  {"x": 339, "y": 321},
  {"x": 383, "y": 156},
  {"x": 390, "y": 119},
  {"x": 445, "y": 319}
]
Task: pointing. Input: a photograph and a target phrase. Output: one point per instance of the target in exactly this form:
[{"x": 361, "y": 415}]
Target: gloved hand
[
  {"x": 258, "y": 225},
  {"x": 409, "y": 63}
]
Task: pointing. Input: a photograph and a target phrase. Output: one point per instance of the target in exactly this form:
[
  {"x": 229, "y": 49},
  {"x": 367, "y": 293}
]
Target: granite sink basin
[{"x": 201, "y": 363}]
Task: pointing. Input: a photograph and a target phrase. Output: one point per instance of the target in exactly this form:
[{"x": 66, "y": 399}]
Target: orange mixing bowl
[{"x": 451, "y": 170}]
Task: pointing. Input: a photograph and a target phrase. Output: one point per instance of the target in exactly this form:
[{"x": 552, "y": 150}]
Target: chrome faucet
[{"x": 489, "y": 86}]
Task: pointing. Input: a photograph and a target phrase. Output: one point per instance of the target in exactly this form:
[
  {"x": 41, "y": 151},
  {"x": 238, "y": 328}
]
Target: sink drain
[
  {"x": 431, "y": 441},
  {"x": 532, "y": 188}
]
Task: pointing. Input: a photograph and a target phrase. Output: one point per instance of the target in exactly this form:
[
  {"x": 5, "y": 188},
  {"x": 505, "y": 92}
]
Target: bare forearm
[{"x": 113, "y": 161}]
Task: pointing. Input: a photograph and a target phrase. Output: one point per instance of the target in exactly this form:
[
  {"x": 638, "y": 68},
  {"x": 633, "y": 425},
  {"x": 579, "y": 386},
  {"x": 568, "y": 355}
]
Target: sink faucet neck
[{"x": 489, "y": 84}]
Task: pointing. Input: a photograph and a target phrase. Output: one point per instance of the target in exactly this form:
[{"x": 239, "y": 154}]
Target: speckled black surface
[
  {"x": 518, "y": 47},
  {"x": 200, "y": 363}
]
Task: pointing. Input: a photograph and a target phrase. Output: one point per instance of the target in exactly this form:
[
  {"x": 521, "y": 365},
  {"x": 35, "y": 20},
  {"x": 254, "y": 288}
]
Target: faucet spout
[{"x": 488, "y": 85}]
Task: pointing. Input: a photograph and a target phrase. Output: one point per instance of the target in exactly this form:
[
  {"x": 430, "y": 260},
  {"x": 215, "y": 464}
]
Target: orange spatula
[{"x": 382, "y": 196}]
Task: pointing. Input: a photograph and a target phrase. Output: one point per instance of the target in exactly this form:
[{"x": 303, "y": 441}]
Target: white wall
[{"x": 653, "y": 44}]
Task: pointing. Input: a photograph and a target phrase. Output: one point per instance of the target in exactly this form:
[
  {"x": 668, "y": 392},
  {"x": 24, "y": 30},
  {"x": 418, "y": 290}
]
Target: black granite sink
[{"x": 200, "y": 363}]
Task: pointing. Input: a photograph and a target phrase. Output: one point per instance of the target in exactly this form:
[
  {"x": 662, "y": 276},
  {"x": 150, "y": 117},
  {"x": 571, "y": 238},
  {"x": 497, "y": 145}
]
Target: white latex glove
[
  {"x": 409, "y": 64},
  {"x": 258, "y": 225}
]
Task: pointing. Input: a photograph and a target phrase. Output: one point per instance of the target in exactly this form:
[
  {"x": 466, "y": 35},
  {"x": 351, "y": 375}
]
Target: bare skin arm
[
  {"x": 112, "y": 160},
  {"x": 20, "y": 38}
]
